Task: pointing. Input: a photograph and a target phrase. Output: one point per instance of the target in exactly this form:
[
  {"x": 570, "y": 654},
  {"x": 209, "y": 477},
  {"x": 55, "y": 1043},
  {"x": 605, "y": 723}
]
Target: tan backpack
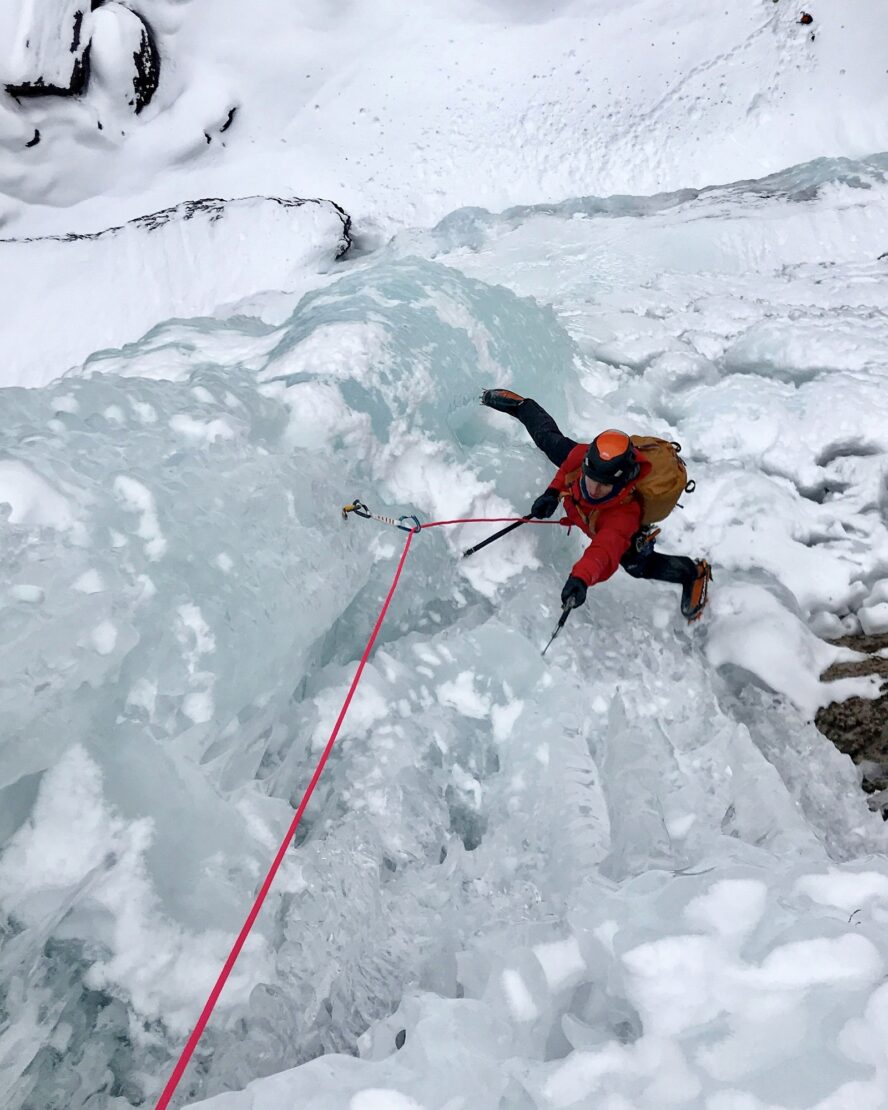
[{"x": 667, "y": 480}]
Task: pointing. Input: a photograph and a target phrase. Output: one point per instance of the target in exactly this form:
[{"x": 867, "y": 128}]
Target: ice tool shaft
[{"x": 562, "y": 620}]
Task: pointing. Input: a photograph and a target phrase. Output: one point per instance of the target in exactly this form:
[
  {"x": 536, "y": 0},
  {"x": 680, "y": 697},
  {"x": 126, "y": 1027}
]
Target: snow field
[{"x": 404, "y": 112}]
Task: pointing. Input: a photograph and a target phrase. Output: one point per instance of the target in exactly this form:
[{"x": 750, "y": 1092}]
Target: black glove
[
  {"x": 545, "y": 504},
  {"x": 574, "y": 592}
]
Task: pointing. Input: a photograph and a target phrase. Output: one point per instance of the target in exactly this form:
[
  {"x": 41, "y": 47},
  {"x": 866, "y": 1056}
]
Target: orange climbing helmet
[{"x": 611, "y": 458}]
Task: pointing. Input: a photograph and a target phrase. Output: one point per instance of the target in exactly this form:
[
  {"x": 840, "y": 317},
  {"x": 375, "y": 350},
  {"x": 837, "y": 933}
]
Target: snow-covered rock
[
  {"x": 73, "y": 47},
  {"x": 65, "y": 298}
]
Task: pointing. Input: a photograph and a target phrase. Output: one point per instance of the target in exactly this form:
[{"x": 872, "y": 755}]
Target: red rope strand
[
  {"x": 200, "y": 1026},
  {"x": 197, "y": 1032},
  {"x": 493, "y": 520}
]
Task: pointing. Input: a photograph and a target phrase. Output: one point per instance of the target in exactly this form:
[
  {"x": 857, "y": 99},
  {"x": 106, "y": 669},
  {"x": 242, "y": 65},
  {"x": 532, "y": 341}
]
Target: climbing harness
[{"x": 644, "y": 541}]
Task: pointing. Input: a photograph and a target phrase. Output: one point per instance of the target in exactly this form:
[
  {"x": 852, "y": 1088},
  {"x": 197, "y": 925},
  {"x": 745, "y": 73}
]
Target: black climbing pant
[{"x": 544, "y": 432}]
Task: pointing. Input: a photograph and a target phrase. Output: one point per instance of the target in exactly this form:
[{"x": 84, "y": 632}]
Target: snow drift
[{"x": 68, "y": 297}]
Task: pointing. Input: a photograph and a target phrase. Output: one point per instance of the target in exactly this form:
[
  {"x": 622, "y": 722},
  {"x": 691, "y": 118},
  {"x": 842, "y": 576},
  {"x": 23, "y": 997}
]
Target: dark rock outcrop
[
  {"x": 859, "y": 726},
  {"x": 38, "y": 87},
  {"x": 146, "y": 65},
  {"x": 214, "y": 207}
]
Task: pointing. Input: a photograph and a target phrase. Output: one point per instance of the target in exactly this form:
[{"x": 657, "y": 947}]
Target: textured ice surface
[
  {"x": 631, "y": 871},
  {"x": 750, "y": 322},
  {"x": 182, "y": 605},
  {"x": 665, "y": 941},
  {"x": 686, "y": 990}
]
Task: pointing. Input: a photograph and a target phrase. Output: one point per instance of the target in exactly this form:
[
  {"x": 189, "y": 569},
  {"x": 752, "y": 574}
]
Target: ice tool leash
[{"x": 411, "y": 525}]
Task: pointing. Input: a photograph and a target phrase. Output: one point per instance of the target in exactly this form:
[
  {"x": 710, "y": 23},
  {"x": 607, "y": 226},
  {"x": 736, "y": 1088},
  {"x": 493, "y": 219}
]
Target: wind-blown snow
[{"x": 628, "y": 874}]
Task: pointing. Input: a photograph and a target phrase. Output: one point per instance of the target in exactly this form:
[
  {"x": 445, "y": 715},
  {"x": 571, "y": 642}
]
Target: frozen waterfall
[{"x": 629, "y": 874}]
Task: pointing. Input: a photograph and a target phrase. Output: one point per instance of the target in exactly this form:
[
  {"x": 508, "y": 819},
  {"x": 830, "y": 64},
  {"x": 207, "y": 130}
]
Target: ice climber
[{"x": 613, "y": 488}]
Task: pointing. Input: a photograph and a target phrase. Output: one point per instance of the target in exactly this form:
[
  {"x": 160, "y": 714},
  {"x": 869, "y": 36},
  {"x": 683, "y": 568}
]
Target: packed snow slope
[
  {"x": 105, "y": 289},
  {"x": 630, "y": 874},
  {"x": 404, "y": 111}
]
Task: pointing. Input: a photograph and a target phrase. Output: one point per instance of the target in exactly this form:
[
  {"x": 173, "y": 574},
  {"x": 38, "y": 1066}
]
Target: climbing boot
[
  {"x": 694, "y": 595},
  {"x": 503, "y": 400}
]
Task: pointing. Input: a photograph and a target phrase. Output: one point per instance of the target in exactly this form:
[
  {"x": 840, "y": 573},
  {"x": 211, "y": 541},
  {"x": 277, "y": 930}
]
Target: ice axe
[
  {"x": 562, "y": 620},
  {"x": 496, "y": 536}
]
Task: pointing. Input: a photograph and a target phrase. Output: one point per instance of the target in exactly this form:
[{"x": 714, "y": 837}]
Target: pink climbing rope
[
  {"x": 197, "y": 1032},
  {"x": 494, "y": 520}
]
